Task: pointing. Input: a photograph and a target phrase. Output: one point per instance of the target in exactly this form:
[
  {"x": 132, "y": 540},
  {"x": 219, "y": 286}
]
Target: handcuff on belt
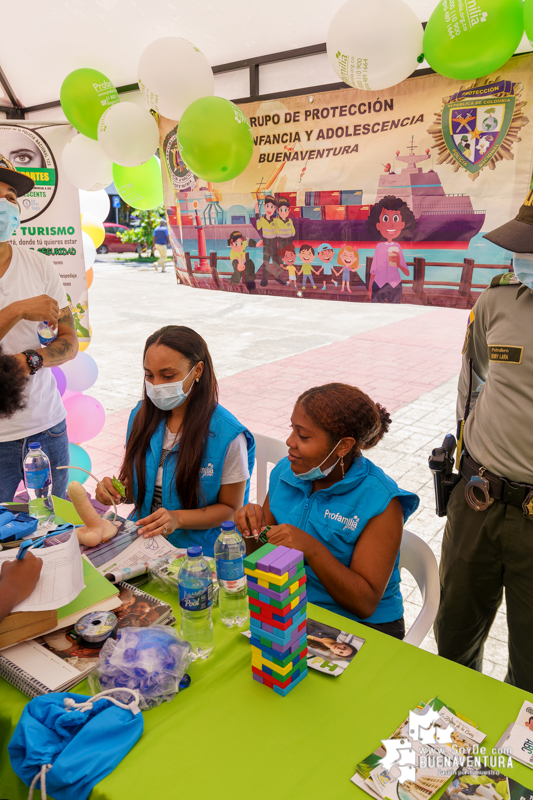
[
  {"x": 493, "y": 488},
  {"x": 481, "y": 483}
]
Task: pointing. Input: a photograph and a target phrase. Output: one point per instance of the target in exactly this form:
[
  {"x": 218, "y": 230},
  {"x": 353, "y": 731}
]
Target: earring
[
  {"x": 197, "y": 380},
  {"x": 342, "y": 465}
]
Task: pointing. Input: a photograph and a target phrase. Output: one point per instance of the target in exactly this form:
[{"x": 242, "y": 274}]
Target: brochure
[
  {"x": 485, "y": 784},
  {"x": 518, "y": 737}
]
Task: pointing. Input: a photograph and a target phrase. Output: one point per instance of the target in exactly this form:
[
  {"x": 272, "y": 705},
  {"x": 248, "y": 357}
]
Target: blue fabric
[
  {"x": 161, "y": 234},
  {"x": 54, "y": 442},
  {"x": 336, "y": 517},
  {"x": 223, "y": 429},
  {"x": 83, "y": 746}
]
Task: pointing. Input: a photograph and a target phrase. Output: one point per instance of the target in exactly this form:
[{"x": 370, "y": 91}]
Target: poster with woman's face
[
  {"x": 330, "y": 650},
  {"x": 29, "y": 153}
]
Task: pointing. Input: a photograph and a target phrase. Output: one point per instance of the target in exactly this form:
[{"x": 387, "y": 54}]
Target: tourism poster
[
  {"x": 362, "y": 196},
  {"x": 50, "y": 219}
]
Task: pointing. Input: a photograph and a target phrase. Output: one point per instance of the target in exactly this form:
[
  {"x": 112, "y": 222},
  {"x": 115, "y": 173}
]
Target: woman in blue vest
[
  {"x": 188, "y": 461},
  {"x": 329, "y": 501}
]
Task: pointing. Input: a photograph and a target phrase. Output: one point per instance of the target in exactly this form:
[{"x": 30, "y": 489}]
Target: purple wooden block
[
  {"x": 257, "y": 677},
  {"x": 268, "y": 628},
  {"x": 271, "y": 593},
  {"x": 286, "y": 561},
  {"x": 290, "y": 645},
  {"x": 265, "y": 562}
]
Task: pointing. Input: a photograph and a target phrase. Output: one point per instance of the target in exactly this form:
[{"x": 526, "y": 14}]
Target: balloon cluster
[
  {"x": 152, "y": 660},
  {"x": 85, "y": 415},
  {"x": 373, "y": 46}
]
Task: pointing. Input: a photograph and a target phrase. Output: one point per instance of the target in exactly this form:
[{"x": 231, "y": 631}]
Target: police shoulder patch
[{"x": 507, "y": 279}]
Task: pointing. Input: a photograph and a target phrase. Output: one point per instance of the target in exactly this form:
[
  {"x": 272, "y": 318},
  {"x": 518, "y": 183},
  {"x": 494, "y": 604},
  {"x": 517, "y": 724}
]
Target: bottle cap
[
  {"x": 228, "y": 526},
  {"x": 34, "y": 446},
  {"x": 195, "y": 551}
]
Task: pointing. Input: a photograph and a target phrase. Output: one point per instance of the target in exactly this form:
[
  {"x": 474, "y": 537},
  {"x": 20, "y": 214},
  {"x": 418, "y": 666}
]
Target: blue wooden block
[{"x": 284, "y": 692}]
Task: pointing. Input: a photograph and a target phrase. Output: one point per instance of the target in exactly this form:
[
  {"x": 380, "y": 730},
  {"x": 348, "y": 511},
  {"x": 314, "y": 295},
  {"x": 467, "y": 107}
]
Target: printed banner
[
  {"x": 50, "y": 214},
  {"x": 362, "y": 196}
]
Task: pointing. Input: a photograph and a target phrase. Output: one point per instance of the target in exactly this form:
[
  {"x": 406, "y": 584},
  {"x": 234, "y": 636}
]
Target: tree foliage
[{"x": 143, "y": 233}]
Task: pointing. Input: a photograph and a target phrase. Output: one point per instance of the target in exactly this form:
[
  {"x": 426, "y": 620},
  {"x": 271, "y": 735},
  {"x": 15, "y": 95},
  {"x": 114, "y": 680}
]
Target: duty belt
[{"x": 494, "y": 488}]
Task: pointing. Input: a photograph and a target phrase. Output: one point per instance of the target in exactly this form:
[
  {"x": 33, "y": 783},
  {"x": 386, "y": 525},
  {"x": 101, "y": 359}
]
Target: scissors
[{"x": 27, "y": 543}]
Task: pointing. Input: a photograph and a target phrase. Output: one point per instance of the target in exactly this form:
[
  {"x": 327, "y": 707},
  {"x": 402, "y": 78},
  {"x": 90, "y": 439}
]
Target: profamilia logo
[
  {"x": 350, "y": 523},
  {"x": 474, "y": 12},
  {"x": 99, "y": 87}
]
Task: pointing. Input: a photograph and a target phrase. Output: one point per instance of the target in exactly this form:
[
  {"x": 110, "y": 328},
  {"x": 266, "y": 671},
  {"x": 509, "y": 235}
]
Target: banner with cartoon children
[
  {"x": 50, "y": 214},
  {"x": 362, "y": 197}
]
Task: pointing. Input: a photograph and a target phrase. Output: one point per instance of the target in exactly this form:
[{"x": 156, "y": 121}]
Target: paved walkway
[{"x": 268, "y": 350}]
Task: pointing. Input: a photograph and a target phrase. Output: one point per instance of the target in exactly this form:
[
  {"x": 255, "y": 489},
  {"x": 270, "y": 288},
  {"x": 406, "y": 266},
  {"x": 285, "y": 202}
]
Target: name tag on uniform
[{"x": 505, "y": 353}]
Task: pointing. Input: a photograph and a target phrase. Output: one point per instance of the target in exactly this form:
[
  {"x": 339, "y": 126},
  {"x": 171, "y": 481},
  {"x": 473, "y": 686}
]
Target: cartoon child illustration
[
  {"x": 307, "y": 254},
  {"x": 348, "y": 258},
  {"x": 243, "y": 266},
  {"x": 267, "y": 229},
  {"x": 325, "y": 255},
  {"x": 288, "y": 255},
  {"x": 284, "y": 224},
  {"x": 392, "y": 219},
  {"x": 464, "y": 145}
]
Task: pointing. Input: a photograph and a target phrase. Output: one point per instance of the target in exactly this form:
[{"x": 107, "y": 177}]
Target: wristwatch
[{"x": 35, "y": 361}]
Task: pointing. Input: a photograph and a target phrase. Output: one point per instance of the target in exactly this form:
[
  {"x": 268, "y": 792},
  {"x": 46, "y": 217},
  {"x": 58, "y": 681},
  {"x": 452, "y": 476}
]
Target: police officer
[{"x": 488, "y": 540}]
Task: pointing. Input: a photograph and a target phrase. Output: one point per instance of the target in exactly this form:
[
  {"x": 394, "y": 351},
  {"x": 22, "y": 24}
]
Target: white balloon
[
  {"x": 374, "y": 45},
  {"x": 89, "y": 250},
  {"x": 86, "y": 165},
  {"x": 128, "y": 134},
  {"x": 173, "y": 73},
  {"x": 97, "y": 204}
]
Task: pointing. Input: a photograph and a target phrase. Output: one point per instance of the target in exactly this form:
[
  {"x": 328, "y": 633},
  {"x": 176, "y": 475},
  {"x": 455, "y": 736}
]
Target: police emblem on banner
[
  {"x": 477, "y": 127},
  {"x": 182, "y": 178}
]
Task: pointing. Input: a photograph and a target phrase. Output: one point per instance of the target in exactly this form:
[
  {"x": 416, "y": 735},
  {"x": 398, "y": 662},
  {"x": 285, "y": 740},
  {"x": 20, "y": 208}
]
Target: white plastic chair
[
  {"x": 267, "y": 451},
  {"x": 418, "y": 559}
]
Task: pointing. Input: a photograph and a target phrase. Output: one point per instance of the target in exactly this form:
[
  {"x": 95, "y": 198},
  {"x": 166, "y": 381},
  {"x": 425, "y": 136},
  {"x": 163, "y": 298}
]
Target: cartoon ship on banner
[{"x": 336, "y": 216}]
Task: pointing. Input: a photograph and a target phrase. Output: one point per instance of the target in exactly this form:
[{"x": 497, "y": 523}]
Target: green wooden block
[
  {"x": 277, "y": 603},
  {"x": 282, "y": 662},
  {"x": 250, "y": 562},
  {"x": 254, "y": 608}
]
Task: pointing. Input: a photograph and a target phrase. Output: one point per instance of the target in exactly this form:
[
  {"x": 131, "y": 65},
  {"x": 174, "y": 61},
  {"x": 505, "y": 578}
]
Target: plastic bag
[
  {"x": 166, "y": 575},
  {"x": 152, "y": 660}
]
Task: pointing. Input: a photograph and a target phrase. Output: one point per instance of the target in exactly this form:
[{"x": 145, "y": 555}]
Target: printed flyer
[
  {"x": 50, "y": 214},
  {"x": 362, "y": 196}
]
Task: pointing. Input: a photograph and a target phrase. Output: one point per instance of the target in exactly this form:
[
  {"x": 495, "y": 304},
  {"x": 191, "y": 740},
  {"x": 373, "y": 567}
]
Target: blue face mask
[
  {"x": 167, "y": 396},
  {"x": 316, "y": 473},
  {"x": 523, "y": 268},
  {"x": 9, "y": 219}
]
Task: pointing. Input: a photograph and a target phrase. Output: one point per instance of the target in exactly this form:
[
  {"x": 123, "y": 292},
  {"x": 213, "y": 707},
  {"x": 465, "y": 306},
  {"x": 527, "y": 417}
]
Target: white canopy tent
[{"x": 258, "y": 48}]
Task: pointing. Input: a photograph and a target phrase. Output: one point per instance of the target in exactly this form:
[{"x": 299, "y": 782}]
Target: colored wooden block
[
  {"x": 267, "y": 613},
  {"x": 275, "y": 592},
  {"x": 285, "y": 561},
  {"x": 277, "y": 603},
  {"x": 268, "y": 628},
  {"x": 260, "y": 625},
  {"x": 278, "y": 580},
  {"x": 272, "y": 650},
  {"x": 263, "y": 584},
  {"x": 277, "y": 587},
  {"x": 269, "y": 558},
  {"x": 281, "y": 683},
  {"x": 251, "y": 560},
  {"x": 279, "y": 637},
  {"x": 273, "y": 656},
  {"x": 290, "y": 687},
  {"x": 262, "y": 662},
  {"x": 257, "y": 677}
]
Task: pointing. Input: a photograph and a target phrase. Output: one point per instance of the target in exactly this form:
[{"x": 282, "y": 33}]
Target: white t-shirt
[
  {"x": 30, "y": 274},
  {"x": 235, "y": 467}
]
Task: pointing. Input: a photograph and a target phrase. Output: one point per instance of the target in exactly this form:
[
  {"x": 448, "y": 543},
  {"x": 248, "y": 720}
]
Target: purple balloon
[{"x": 61, "y": 380}]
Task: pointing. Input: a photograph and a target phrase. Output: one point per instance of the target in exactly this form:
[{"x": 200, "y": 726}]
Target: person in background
[
  {"x": 31, "y": 291},
  {"x": 344, "y": 513},
  {"x": 160, "y": 241},
  {"x": 188, "y": 461},
  {"x": 392, "y": 219},
  {"x": 18, "y": 579},
  {"x": 489, "y": 549}
]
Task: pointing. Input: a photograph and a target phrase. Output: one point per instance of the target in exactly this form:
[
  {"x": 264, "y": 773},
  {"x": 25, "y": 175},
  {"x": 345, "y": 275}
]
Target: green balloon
[
  {"x": 140, "y": 187},
  {"x": 467, "y": 40},
  {"x": 215, "y": 139},
  {"x": 528, "y": 19},
  {"x": 85, "y": 95}
]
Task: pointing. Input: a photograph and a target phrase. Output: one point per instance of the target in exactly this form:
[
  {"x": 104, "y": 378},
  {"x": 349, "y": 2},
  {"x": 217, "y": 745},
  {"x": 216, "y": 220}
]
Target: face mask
[
  {"x": 168, "y": 395},
  {"x": 523, "y": 268},
  {"x": 316, "y": 473},
  {"x": 9, "y": 219}
]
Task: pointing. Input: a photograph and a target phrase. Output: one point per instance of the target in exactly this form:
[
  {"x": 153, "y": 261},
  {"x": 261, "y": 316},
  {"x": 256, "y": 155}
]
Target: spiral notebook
[{"x": 56, "y": 662}]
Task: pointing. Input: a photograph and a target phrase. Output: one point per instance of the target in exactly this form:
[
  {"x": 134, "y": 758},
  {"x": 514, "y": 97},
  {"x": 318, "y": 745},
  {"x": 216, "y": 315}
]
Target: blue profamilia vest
[
  {"x": 223, "y": 429},
  {"x": 336, "y": 517}
]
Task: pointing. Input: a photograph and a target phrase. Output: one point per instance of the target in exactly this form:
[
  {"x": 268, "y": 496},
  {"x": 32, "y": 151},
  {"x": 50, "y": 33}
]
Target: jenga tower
[{"x": 278, "y": 616}]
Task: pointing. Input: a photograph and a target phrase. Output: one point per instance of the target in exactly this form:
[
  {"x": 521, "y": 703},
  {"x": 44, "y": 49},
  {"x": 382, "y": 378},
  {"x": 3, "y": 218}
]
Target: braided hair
[{"x": 345, "y": 411}]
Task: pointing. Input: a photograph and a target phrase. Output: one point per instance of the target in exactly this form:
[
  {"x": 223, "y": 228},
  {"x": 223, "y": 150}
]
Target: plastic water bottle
[
  {"x": 38, "y": 480},
  {"x": 195, "y": 586},
  {"x": 233, "y": 595},
  {"x": 46, "y": 333}
]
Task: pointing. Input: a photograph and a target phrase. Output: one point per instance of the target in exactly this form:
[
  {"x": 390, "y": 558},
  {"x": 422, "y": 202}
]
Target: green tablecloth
[{"x": 227, "y": 736}]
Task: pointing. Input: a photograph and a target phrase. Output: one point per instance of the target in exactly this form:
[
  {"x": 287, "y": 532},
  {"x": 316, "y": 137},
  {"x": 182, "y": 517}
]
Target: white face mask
[
  {"x": 523, "y": 268},
  {"x": 167, "y": 396},
  {"x": 315, "y": 474},
  {"x": 9, "y": 219}
]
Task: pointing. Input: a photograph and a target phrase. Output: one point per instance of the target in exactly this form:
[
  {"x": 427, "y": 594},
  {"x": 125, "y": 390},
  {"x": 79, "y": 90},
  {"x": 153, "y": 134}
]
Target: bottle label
[
  {"x": 230, "y": 569},
  {"x": 37, "y": 479},
  {"x": 194, "y": 600}
]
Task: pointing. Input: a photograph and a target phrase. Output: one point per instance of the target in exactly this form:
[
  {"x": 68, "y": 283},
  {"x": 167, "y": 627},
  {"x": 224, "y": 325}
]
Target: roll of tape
[{"x": 95, "y": 628}]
